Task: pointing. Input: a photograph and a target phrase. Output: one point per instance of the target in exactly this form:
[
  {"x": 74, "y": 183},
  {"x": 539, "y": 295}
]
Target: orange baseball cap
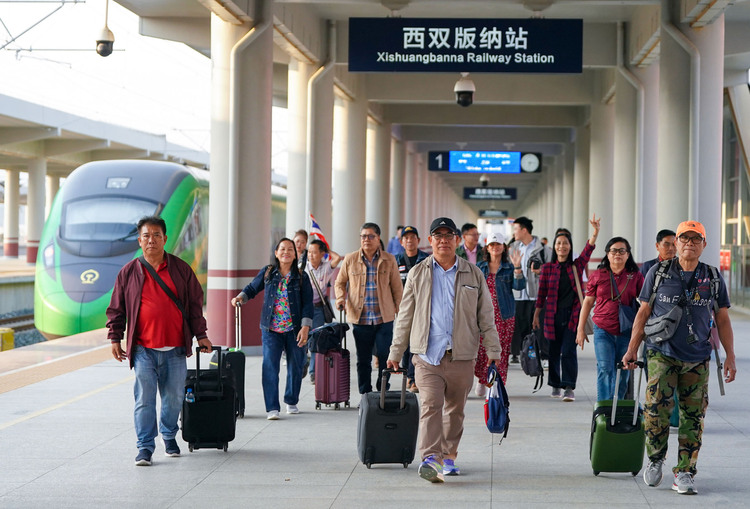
[{"x": 691, "y": 226}]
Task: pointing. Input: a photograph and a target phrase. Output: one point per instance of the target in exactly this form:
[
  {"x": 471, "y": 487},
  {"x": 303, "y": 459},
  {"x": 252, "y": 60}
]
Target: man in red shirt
[{"x": 159, "y": 334}]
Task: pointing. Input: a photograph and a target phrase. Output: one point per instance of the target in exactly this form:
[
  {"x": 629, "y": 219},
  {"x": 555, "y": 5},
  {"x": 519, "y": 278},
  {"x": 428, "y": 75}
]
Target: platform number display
[{"x": 438, "y": 161}]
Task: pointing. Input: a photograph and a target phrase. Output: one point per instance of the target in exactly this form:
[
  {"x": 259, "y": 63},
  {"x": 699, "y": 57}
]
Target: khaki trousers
[{"x": 443, "y": 391}]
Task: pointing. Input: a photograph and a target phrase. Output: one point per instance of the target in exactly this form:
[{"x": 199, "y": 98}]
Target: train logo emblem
[{"x": 88, "y": 277}]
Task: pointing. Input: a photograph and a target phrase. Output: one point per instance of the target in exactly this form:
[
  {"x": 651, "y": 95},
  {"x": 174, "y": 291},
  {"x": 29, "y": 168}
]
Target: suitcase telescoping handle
[
  {"x": 640, "y": 364},
  {"x": 214, "y": 348},
  {"x": 384, "y": 384},
  {"x": 237, "y": 328},
  {"x": 342, "y": 332}
]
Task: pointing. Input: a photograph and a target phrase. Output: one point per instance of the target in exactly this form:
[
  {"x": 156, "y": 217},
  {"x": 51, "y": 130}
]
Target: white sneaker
[
  {"x": 545, "y": 364},
  {"x": 292, "y": 409},
  {"x": 273, "y": 415},
  {"x": 480, "y": 390}
]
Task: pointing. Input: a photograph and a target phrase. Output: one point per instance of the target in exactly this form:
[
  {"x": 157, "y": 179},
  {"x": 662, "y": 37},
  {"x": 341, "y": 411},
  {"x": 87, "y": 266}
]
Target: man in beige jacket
[
  {"x": 446, "y": 307},
  {"x": 369, "y": 286}
]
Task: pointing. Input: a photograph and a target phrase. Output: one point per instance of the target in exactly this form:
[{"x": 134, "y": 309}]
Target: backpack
[
  {"x": 496, "y": 405},
  {"x": 531, "y": 363}
]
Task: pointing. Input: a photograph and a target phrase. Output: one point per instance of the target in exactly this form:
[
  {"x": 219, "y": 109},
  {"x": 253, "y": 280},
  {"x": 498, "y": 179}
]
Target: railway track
[{"x": 18, "y": 323}]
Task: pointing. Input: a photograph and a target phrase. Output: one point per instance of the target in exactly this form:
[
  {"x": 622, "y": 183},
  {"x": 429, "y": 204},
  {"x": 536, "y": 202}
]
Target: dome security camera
[
  {"x": 105, "y": 42},
  {"x": 464, "y": 90},
  {"x": 484, "y": 180}
]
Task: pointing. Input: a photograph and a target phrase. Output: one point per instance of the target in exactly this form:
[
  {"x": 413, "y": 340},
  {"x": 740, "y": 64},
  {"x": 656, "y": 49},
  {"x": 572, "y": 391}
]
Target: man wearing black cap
[
  {"x": 408, "y": 258},
  {"x": 446, "y": 306}
]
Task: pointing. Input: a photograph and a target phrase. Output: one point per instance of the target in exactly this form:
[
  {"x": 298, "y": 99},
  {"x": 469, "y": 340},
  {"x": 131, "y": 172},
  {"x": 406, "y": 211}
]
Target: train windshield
[{"x": 104, "y": 218}]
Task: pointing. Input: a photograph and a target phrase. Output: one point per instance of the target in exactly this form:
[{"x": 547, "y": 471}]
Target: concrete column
[
  {"x": 568, "y": 197},
  {"x": 410, "y": 186},
  {"x": 600, "y": 171},
  {"x": 706, "y": 185},
  {"x": 559, "y": 205},
  {"x": 53, "y": 186},
  {"x": 35, "y": 206},
  {"x": 10, "y": 217},
  {"x": 320, "y": 150},
  {"x": 625, "y": 160},
  {"x": 579, "y": 226},
  {"x": 419, "y": 196},
  {"x": 240, "y": 204},
  {"x": 350, "y": 137},
  {"x": 378, "y": 175},
  {"x": 296, "y": 187},
  {"x": 648, "y": 224},
  {"x": 398, "y": 161}
]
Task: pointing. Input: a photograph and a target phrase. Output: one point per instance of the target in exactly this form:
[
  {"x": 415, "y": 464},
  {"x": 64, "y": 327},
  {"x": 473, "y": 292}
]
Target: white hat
[{"x": 495, "y": 237}]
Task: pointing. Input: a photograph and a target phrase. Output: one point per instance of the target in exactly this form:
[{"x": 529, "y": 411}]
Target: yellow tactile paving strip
[
  {"x": 31, "y": 364},
  {"x": 32, "y": 375}
]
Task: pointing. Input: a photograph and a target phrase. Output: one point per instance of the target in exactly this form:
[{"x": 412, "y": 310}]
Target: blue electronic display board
[
  {"x": 465, "y": 45},
  {"x": 461, "y": 161}
]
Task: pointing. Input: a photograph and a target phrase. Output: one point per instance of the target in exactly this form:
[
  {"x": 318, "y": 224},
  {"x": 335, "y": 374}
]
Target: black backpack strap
[
  {"x": 163, "y": 286},
  {"x": 661, "y": 273},
  {"x": 714, "y": 282}
]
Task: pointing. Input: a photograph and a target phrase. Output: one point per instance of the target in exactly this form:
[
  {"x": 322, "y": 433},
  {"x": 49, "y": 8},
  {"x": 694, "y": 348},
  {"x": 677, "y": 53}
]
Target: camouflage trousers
[{"x": 690, "y": 380}]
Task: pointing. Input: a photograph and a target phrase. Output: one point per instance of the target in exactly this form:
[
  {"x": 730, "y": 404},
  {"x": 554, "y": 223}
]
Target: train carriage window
[{"x": 104, "y": 218}]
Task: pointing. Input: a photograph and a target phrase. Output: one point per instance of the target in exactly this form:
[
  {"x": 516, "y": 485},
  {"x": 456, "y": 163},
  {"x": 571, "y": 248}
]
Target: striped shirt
[{"x": 371, "y": 309}]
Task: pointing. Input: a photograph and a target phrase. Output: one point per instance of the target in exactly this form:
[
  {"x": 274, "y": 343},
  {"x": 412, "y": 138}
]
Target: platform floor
[{"x": 68, "y": 441}]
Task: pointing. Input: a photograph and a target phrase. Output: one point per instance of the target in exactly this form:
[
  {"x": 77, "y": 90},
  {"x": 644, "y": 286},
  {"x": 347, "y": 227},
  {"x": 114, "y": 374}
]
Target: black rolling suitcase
[
  {"x": 618, "y": 439},
  {"x": 234, "y": 362},
  {"x": 209, "y": 410},
  {"x": 388, "y": 425}
]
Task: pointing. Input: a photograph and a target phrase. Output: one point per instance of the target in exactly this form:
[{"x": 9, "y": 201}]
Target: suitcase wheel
[
  {"x": 336, "y": 406},
  {"x": 226, "y": 446},
  {"x": 596, "y": 473},
  {"x": 346, "y": 404},
  {"x": 406, "y": 465},
  {"x": 242, "y": 415},
  {"x": 634, "y": 473},
  {"x": 190, "y": 447},
  {"x": 368, "y": 465},
  {"x": 317, "y": 405}
]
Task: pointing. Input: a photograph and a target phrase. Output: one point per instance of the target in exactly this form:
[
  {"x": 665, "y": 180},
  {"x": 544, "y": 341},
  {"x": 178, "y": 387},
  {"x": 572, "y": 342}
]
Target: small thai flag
[{"x": 316, "y": 232}]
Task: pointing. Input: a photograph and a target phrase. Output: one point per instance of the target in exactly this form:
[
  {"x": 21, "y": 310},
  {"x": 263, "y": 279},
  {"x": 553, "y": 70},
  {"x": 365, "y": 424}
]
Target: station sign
[
  {"x": 465, "y": 45},
  {"x": 483, "y": 161},
  {"x": 493, "y": 214},
  {"x": 489, "y": 193}
]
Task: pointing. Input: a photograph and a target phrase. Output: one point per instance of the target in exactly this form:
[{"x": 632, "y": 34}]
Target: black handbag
[{"x": 327, "y": 337}]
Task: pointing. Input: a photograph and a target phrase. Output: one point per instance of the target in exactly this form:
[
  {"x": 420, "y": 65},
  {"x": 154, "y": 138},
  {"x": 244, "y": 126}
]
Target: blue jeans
[
  {"x": 165, "y": 371},
  {"x": 367, "y": 337},
  {"x": 563, "y": 357},
  {"x": 609, "y": 351},
  {"x": 318, "y": 320},
  {"x": 273, "y": 344}
]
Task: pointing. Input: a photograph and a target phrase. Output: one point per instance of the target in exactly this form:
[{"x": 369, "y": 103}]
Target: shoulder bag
[
  {"x": 626, "y": 314},
  {"x": 589, "y": 327},
  {"x": 328, "y": 314}
]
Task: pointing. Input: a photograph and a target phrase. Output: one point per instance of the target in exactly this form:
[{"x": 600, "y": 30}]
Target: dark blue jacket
[
  {"x": 403, "y": 269},
  {"x": 504, "y": 283},
  {"x": 299, "y": 292}
]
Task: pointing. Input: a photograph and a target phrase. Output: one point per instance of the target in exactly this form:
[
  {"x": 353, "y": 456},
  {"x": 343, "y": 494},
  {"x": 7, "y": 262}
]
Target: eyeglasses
[
  {"x": 367, "y": 236},
  {"x": 443, "y": 236},
  {"x": 688, "y": 239},
  {"x": 615, "y": 251}
]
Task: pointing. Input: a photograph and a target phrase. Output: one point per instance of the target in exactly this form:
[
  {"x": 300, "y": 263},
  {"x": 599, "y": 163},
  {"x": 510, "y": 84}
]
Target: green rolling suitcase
[{"x": 618, "y": 440}]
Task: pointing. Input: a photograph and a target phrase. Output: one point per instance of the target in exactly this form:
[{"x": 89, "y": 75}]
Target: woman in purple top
[
  {"x": 557, "y": 295},
  {"x": 617, "y": 281}
]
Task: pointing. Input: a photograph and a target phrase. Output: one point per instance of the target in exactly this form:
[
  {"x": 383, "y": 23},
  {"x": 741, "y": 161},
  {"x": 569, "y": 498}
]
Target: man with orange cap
[{"x": 681, "y": 300}]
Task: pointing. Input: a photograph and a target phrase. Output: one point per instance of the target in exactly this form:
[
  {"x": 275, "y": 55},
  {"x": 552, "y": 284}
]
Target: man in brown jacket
[
  {"x": 369, "y": 286},
  {"x": 446, "y": 307}
]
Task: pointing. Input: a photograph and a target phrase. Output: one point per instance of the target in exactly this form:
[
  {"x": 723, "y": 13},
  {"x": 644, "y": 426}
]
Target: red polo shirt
[
  {"x": 607, "y": 311},
  {"x": 159, "y": 322}
]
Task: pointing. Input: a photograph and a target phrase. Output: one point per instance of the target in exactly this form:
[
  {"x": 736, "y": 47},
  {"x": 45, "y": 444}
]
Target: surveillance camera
[
  {"x": 464, "y": 90},
  {"x": 484, "y": 180},
  {"x": 105, "y": 42}
]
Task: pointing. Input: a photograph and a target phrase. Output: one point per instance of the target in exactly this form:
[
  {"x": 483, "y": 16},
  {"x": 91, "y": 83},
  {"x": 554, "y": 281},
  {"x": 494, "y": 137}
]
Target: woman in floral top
[{"x": 284, "y": 323}]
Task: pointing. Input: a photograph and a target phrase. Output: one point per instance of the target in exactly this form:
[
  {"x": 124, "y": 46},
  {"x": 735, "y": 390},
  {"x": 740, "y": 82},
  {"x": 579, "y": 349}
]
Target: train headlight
[{"x": 49, "y": 256}]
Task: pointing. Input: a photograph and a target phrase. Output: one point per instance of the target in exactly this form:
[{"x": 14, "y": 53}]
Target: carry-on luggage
[
  {"x": 617, "y": 437},
  {"x": 332, "y": 377},
  {"x": 209, "y": 410},
  {"x": 388, "y": 424},
  {"x": 234, "y": 362}
]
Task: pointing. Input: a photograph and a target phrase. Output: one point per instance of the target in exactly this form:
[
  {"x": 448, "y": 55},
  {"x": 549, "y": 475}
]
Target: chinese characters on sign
[
  {"x": 465, "y": 45},
  {"x": 489, "y": 193}
]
